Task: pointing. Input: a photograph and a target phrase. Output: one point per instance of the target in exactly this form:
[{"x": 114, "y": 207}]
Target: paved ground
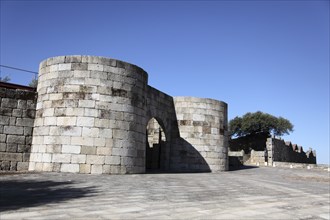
[{"x": 258, "y": 193}]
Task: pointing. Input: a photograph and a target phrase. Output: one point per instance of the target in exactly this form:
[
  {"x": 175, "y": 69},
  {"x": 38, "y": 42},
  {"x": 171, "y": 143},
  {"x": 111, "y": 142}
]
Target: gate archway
[{"x": 155, "y": 145}]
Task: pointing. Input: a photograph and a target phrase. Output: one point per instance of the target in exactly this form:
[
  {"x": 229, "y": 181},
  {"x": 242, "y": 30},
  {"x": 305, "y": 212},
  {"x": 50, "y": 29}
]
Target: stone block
[
  {"x": 127, "y": 161},
  {"x": 79, "y": 66},
  {"x": 83, "y": 141},
  {"x": 73, "y": 59},
  {"x": 106, "y": 169},
  {"x": 105, "y": 133},
  {"x": 12, "y": 121},
  {"x": 81, "y": 73},
  {"x": 53, "y": 68},
  {"x": 120, "y": 134},
  {"x": 99, "y": 142},
  {"x": 95, "y": 159},
  {"x": 28, "y": 131},
  {"x": 64, "y": 66},
  {"x": 5, "y": 165},
  {"x": 78, "y": 158},
  {"x": 46, "y": 158},
  {"x": 96, "y": 67},
  {"x": 88, "y": 150},
  {"x": 4, "y": 120},
  {"x": 102, "y": 123},
  {"x": 49, "y": 112},
  {"x": 115, "y": 169},
  {"x": 47, "y": 167},
  {"x": 13, "y": 130},
  {"x": 32, "y": 165},
  {"x": 55, "y": 60},
  {"x": 13, "y": 166},
  {"x": 14, "y": 139},
  {"x": 61, "y": 158},
  {"x": 99, "y": 74},
  {"x": 103, "y": 151},
  {"x": 3, "y": 138},
  {"x": 26, "y": 122},
  {"x": 112, "y": 160},
  {"x": 8, "y": 103},
  {"x": 22, "y": 166},
  {"x": 37, "y": 140},
  {"x": 91, "y": 112},
  {"x": 66, "y": 121},
  {"x": 56, "y": 96},
  {"x": 54, "y": 148},
  {"x": 26, "y": 157},
  {"x": 34, "y": 157},
  {"x": 40, "y": 122},
  {"x": 90, "y": 132},
  {"x": 49, "y": 140},
  {"x": 96, "y": 169},
  {"x": 86, "y": 103},
  {"x": 41, "y": 131},
  {"x": 17, "y": 112},
  {"x": 11, "y": 148},
  {"x": 85, "y": 121},
  {"x": 109, "y": 142},
  {"x": 10, "y": 156},
  {"x": 47, "y": 121},
  {"x": 3, "y": 147},
  {"x": 5, "y": 111},
  {"x": 84, "y": 168},
  {"x": 70, "y": 168},
  {"x": 21, "y": 104},
  {"x": 41, "y": 148},
  {"x": 70, "y": 131},
  {"x": 74, "y": 111},
  {"x": 72, "y": 149}
]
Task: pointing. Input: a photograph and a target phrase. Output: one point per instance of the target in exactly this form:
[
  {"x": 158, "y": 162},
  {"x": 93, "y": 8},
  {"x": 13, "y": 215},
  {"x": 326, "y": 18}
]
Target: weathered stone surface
[
  {"x": 95, "y": 111},
  {"x": 13, "y": 130},
  {"x": 70, "y": 168}
]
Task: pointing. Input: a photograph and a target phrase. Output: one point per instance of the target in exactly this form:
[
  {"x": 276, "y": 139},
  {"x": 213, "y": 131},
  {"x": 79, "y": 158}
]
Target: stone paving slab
[{"x": 258, "y": 193}]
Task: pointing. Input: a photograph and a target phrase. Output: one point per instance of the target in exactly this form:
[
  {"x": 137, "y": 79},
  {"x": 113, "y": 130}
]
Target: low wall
[
  {"x": 17, "y": 112},
  {"x": 302, "y": 166},
  {"x": 281, "y": 151},
  {"x": 278, "y": 152}
]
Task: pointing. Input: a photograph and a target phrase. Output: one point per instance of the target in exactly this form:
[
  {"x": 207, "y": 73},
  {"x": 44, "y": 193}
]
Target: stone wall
[
  {"x": 202, "y": 124},
  {"x": 281, "y": 151},
  {"x": 17, "y": 112},
  {"x": 92, "y": 117},
  {"x": 278, "y": 152},
  {"x": 257, "y": 158},
  {"x": 160, "y": 106}
]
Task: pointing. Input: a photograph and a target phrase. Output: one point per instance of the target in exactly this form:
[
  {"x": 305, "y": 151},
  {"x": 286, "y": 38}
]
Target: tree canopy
[
  {"x": 259, "y": 122},
  {"x": 4, "y": 79}
]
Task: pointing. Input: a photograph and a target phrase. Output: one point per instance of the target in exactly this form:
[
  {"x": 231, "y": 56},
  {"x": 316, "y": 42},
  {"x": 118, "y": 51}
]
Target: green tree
[
  {"x": 259, "y": 123},
  {"x": 33, "y": 83},
  {"x": 5, "y": 79}
]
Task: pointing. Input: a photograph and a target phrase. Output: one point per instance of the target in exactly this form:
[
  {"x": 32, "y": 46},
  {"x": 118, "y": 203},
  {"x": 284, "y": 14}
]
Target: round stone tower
[
  {"x": 90, "y": 116},
  {"x": 203, "y": 124}
]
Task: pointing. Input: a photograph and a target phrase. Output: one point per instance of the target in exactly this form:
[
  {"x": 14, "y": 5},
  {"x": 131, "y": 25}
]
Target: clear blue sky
[{"x": 271, "y": 56}]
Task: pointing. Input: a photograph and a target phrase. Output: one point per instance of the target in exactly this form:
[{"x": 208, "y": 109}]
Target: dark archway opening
[{"x": 156, "y": 143}]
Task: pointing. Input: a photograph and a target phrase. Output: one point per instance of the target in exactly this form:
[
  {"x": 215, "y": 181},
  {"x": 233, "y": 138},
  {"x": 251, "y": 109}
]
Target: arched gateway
[{"x": 93, "y": 114}]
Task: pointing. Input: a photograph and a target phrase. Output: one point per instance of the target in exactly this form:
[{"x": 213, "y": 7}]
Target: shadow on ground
[
  {"x": 22, "y": 194},
  {"x": 243, "y": 167}
]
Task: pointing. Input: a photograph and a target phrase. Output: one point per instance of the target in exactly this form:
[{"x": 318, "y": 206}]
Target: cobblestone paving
[{"x": 258, "y": 193}]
